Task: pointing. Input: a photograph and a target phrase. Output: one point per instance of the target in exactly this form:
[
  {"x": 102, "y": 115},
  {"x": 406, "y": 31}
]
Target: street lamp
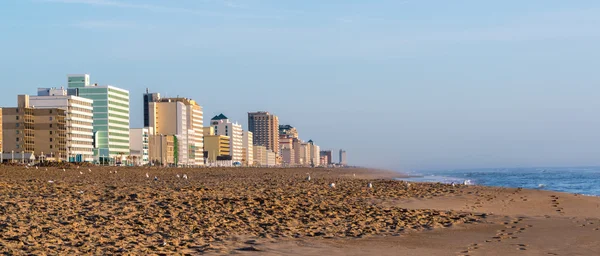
[
  {"x": 22, "y": 157},
  {"x": 12, "y": 154}
]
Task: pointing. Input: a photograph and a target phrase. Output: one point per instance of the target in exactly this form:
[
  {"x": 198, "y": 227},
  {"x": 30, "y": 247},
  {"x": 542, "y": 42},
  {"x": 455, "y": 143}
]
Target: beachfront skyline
[{"x": 449, "y": 85}]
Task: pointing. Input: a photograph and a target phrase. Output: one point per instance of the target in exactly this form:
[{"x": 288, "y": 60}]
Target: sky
[{"x": 403, "y": 85}]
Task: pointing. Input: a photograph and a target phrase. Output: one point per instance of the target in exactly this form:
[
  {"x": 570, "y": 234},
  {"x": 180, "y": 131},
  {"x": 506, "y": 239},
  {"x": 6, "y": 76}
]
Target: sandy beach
[{"x": 252, "y": 211}]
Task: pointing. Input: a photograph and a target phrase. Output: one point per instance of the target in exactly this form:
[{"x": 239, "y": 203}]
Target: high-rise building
[
  {"x": 328, "y": 154},
  {"x": 288, "y": 131},
  {"x": 139, "y": 141},
  {"x": 313, "y": 154},
  {"x": 149, "y": 97},
  {"x": 248, "y": 149},
  {"x": 111, "y": 117},
  {"x": 265, "y": 129},
  {"x": 304, "y": 158},
  {"x": 33, "y": 131},
  {"x": 343, "y": 160},
  {"x": 183, "y": 118},
  {"x": 79, "y": 122},
  {"x": 222, "y": 126}
]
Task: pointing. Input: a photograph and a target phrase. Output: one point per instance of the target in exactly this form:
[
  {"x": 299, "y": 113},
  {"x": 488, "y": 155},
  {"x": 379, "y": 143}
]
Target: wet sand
[{"x": 277, "y": 211}]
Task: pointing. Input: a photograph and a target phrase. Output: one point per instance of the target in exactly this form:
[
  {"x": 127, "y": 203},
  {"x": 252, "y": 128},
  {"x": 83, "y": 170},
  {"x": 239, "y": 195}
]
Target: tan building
[
  {"x": 217, "y": 148},
  {"x": 162, "y": 150},
  {"x": 41, "y": 132},
  {"x": 183, "y": 118},
  {"x": 260, "y": 156},
  {"x": 248, "y": 147},
  {"x": 265, "y": 129}
]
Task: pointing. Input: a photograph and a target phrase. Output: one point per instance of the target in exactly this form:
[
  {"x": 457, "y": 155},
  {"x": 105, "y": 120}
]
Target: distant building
[
  {"x": 222, "y": 126},
  {"x": 288, "y": 131},
  {"x": 265, "y": 129},
  {"x": 271, "y": 158},
  {"x": 162, "y": 150},
  {"x": 139, "y": 141},
  {"x": 111, "y": 117},
  {"x": 183, "y": 118},
  {"x": 328, "y": 154},
  {"x": 313, "y": 154},
  {"x": 39, "y": 132},
  {"x": 218, "y": 149},
  {"x": 80, "y": 118},
  {"x": 324, "y": 160},
  {"x": 343, "y": 160},
  {"x": 149, "y": 97},
  {"x": 304, "y": 156},
  {"x": 260, "y": 156},
  {"x": 248, "y": 153}
]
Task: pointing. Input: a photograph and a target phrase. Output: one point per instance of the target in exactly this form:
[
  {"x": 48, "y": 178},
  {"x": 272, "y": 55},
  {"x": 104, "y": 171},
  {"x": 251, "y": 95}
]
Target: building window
[
  {"x": 50, "y": 132},
  {"x": 17, "y": 138},
  {"x": 18, "y": 125},
  {"x": 50, "y": 146},
  {"x": 17, "y": 117},
  {"x": 50, "y": 139},
  {"x": 50, "y": 125},
  {"x": 50, "y": 118}
]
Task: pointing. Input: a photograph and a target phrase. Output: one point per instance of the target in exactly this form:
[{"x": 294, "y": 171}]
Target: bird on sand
[
  {"x": 332, "y": 185},
  {"x": 147, "y": 176},
  {"x": 185, "y": 176},
  {"x": 308, "y": 178},
  {"x": 370, "y": 185}
]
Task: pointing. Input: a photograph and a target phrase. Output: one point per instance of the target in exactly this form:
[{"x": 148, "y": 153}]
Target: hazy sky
[{"x": 417, "y": 84}]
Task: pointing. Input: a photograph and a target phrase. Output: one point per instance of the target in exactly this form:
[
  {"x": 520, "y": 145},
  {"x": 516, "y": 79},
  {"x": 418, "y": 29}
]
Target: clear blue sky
[{"x": 399, "y": 84}]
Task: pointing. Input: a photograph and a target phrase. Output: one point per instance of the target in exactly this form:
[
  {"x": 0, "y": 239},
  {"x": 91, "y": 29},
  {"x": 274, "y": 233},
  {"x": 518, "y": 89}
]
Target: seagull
[
  {"x": 36, "y": 167},
  {"x": 308, "y": 178},
  {"x": 81, "y": 173},
  {"x": 155, "y": 178},
  {"x": 110, "y": 172},
  {"x": 147, "y": 176},
  {"x": 115, "y": 171},
  {"x": 370, "y": 185},
  {"x": 89, "y": 170},
  {"x": 354, "y": 174},
  {"x": 46, "y": 169},
  {"x": 50, "y": 181},
  {"x": 332, "y": 185},
  {"x": 185, "y": 176},
  {"x": 64, "y": 170},
  {"x": 78, "y": 167},
  {"x": 178, "y": 176}
]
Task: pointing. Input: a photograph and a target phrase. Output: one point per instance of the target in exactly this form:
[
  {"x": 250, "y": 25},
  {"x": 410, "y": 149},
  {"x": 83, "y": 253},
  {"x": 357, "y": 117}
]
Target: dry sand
[{"x": 251, "y": 211}]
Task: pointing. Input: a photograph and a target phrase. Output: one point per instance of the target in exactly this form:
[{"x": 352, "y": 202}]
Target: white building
[
  {"x": 79, "y": 120},
  {"x": 139, "y": 145},
  {"x": 223, "y": 126},
  {"x": 249, "y": 146}
]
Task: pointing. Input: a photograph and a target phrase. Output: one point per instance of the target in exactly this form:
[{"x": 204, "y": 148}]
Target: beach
[{"x": 277, "y": 211}]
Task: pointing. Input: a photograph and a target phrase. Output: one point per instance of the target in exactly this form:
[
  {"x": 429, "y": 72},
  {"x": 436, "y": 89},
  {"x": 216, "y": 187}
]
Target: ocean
[{"x": 580, "y": 180}]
